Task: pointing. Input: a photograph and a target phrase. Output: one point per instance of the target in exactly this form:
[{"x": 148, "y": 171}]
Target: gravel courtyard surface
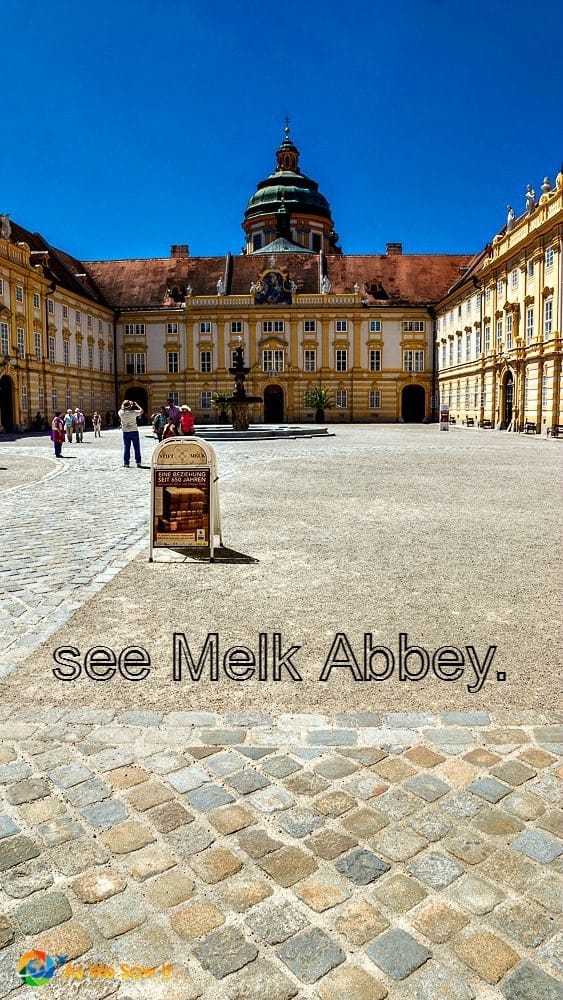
[{"x": 380, "y": 530}]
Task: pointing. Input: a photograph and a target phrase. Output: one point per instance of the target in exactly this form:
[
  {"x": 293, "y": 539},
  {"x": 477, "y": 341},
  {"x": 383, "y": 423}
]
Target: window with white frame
[
  {"x": 37, "y": 346},
  {"x": 544, "y": 390},
  {"x": 549, "y": 258},
  {"x": 309, "y": 326},
  {"x": 91, "y": 357},
  {"x": 100, "y": 327},
  {"x": 101, "y": 359},
  {"x": 443, "y": 355},
  {"x": 484, "y": 398},
  {"x": 50, "y": 306},
  {"x": 341, "y": 399},
  {"x": 310, "y": 360},
  {"x": 451, "y": 352},
  {"x": 81, "y": 400},
  {"x": 375, "y": 360},
  {"x": 66, "y": 352},
  {"x": 476, "y": 394},
  {"x": 526, "y": 390},
  {"x": 52, "y": 350},
  {"x": 89, "y": 321},
  {"x": 171, "y": 328},
  {"x": 529, "y": 324},
  {"x": 53, "y": 399},
  {"x": 487, "y": 294},
  {"x": 500, "y": 286},
  {"x": 498, "y": 333},
  {"x": 467, "y": 346},
  {"x": 273, "y": 361},
  {"x": 478, "y": 302},
  {"x": 413, "y": 361},
  {"x": 205, "y": 327},
  {"x": 341, "y": 360},
  {"x": 68, "y": 399},
  {"x": 20, "y": 341},
  {"x": 236, "y": 326},
  {"x": 466, "y": 394},
  {"x": 509, "y": 332},
  {"x": 458, "y": 394},
  {"x": 450, "y": 394},
  {"x": 458, "y": 351},
  {"x": 531, "y": 270},
  {"x": 24, "y": 398},
  {"x": 173, "y": 361},
  {"x": 174, "y": 397},
  {"x": 468, "y": 305},
  {"x": 477, "y": 342},
  {"x": 341, "y": 326},
  {"x": 273, "y": 326},
  {"x": 514, "y": 278},
  {"x": 205, "y": 361},
  {"x": 375, "y": 326},
  {"x": 36, "y": 300},
  {"x": 65, "y": 312},
  {"x": 205, "y": 400},
  {"x": 487, "y": 339},
  {"x": 415, "y": 325},
  {"x": 79, "y": 355},
  {"x": 374, "y": 399},
  {"x": 135, "y": 363},
  {"x": 19, "y": 293},
  {"x": 41, "y": 398},
  {"x": 78, "y": 316},
  {"x": 547, "y": 318},
  {"x": 134, "y": 330}
]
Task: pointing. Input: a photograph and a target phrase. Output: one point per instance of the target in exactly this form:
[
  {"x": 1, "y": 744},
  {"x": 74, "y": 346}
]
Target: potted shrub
[
  {"x": 221, "y": 403},
  {"x": 319, "y": 400}
]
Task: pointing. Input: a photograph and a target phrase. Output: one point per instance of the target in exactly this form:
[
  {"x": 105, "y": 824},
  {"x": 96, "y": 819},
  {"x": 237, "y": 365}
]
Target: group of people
[
  {"x": 72, "y": 423},
  {"x": 172, "y": 421}
]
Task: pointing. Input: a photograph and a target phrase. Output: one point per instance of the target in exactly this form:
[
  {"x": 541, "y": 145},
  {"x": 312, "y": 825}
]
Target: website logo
[{"x": 36, "y": 968}]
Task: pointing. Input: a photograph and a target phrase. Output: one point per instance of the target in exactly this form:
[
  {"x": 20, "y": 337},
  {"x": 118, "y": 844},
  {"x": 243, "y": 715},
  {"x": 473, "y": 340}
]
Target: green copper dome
[{"x": 287, "y": 186}]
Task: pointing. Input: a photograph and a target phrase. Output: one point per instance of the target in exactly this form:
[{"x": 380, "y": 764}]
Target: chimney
[
  {"x": 394, "y": 249},
  {"x": 179, "y": 250}
]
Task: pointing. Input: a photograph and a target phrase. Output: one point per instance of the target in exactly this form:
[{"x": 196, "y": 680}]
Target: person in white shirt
[{"x": 128, "y": 415}]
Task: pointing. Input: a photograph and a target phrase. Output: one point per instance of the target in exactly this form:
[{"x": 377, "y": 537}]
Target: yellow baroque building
[
  {"x": 387, "y": 335},
  {"x": 498, "y": 330}
]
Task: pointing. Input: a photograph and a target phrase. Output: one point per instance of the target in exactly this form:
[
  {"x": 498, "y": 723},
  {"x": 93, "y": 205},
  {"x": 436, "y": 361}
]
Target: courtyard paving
[{"x": 226, "y": 840}]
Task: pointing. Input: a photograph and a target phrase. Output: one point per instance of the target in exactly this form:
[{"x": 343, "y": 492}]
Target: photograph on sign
[{"x": 181, "y": 514}]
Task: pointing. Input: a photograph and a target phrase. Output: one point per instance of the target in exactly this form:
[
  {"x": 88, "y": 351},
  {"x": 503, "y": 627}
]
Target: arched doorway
[
  {"x": 508, "y": 396},
  {"x": 413, "y": 400},
  {"x": 273, "y": 404},
  {"x": 140, "y": 396},
  {"x": 6, "y": 404}
]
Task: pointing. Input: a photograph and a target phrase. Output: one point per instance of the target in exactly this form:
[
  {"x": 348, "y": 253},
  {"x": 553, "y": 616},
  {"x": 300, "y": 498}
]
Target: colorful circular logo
[{"x": 36, "y": 968}]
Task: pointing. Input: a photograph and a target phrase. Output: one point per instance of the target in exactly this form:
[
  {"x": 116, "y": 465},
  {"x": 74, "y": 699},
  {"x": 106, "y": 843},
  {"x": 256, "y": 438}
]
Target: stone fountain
[{"x": 239, "y": 401}]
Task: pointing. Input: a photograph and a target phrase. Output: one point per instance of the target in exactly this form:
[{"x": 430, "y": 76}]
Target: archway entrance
[
  {"x": 140, "y": 396},
  {"x": 273, "y": 404},
  {"x": 413, "y": 399},
  {"x": 508, "y": 387},
  {"x": 6, "y": 404}
]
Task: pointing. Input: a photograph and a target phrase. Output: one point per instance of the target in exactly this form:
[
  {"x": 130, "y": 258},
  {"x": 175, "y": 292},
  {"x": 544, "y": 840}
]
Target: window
[
  {"x": 484, "y": 398},
  {"x": 91, "y": 358},
  {"x": 257, "y": 241},
  {"x": 526, "y": 391},
  {"x": 487, "y": 295},
  {"x": 100, "y": 328},
  {"x": 451, "y": 352},
  {"x": 68, "y": 399},
  {"x": 134, "y": 363},
  {"x": 375, "y": 361},
  {"x": 89, "y": 322},
  {"x": 309, "y": 326},
  {"x": 81, "y": 400},
  {"x": 509, "y": 333},
  {"x": 52, "y": 353},
  {"x": 458, "y": 394},
  {"x": 413, "y": 361},
  {"x": 529, "y": 325},
  {"x": 531, "y": 270},
  {"x": 205, "y": 361},
  {"x": 273, "y": 326},
  {"x": 500, "y": 286},
  {"x": 458, "y": 351},
  {"x": 487, "y": 339},
  {"x": 499, "y": 333},
  {"x": 37, "y": 345},
  {"x": 65, "y": 312},
  {"x": 205, "y": 327},
  {"x": 466, "y": 394},
  {"x": 415, "y": 325},
  {"x": 549, "y": 258},
  {"x": 175, "y": 397},
  {"x": 468, "y": 347},
  {"x": 316, "y": 242},
  {"x": 110, "y": 362},
  {"x": 19, "y": 293},
  {"x": 171, "y": 328},
  {"x": 36, "y": 300},
  {"x": 443, "y": 355},
  {"x": 375, "y": 326},
  {"x": 374, "y": 399},
  {"x": 20, "y": 338},
  {"x": 134, "y": 329},
  {"x": 273, "y": 361},
  {"x": 342, "y": 326},
  {"x": 79, "y": 355},
  {"x": 547, "y": 317},
  {"x": 310, "y": 361},
  {"x": 41, "y": 398},
  {"x": 53, "y": 399},
  {"x": 477, "y": 342},
  {"x": 236, "y": 326},
  {"x": 101, "y": 359},
  {"x": 468, "y": 306},
  {"x": 341, "y": 360},
  {"x": 78, "y": 316},
  {"x": 173, "y": 359},
  {"x": 205, "y": 400},
  {"x": 514, "y": 278},
  {"x": 4, "y": 339},
  {"x": 50, "y": 306},
  {"x": 544, "y": 391},
  {"x": 92, "y": 400},
  {"x": 341, "y": 399},
  {"x": 478, "y": 301},
  {"x": 476, "y": 394},
  {"x": 66, "y": 352}
]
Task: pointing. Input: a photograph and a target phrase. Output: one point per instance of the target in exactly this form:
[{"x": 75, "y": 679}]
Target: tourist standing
[
  {"x": 173, "y": 411},
  {"x": 69, "y": 425},
  {"x": 159, "y": 422},
  {"x": 58, "y": 433},
  {"x": 97, "y": 424},
  {"x": 170, "y": 430},
  {"x": 128, "y": 415},
  {"x": 79, "y": 422},
  {"x": 187, "y": 422}
]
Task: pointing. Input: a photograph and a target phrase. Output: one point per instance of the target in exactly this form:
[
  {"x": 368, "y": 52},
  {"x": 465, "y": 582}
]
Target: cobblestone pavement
[{"x": 244, "y": 857}]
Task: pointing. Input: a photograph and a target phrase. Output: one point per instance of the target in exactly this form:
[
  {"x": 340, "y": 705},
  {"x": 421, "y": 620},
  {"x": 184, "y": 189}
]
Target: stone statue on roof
[
  {"x": 220, "y": 286},
  {"x": 325, "y": 284},
  {"x": 510, "y": 218},
  {"x": 5, "y": 227},
  {"x": 530, "y": 199}
]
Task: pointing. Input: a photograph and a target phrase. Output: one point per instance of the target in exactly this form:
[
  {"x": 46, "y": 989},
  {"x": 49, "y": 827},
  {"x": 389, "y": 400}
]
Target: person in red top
[
  {"x": 187, "y": 422},
  {"x": 57, "y": 433}
]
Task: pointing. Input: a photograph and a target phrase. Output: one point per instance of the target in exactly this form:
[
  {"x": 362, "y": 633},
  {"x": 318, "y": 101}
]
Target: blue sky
[{"x": 129, "y": 125}]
